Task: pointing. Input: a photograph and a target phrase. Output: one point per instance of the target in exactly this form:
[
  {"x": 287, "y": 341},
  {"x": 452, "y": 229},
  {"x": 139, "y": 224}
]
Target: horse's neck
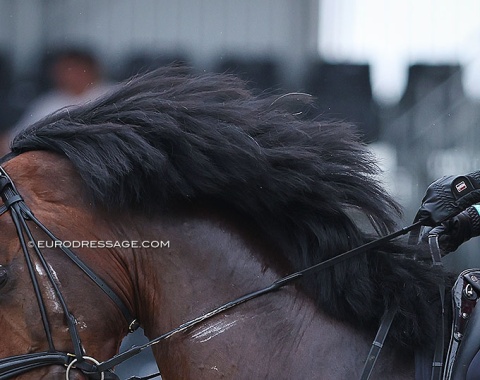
[{"x": 279, "y": 335}]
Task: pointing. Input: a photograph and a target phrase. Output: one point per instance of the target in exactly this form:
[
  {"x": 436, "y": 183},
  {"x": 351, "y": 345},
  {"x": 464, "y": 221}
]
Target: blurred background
[{"x": 406, "y": 72}]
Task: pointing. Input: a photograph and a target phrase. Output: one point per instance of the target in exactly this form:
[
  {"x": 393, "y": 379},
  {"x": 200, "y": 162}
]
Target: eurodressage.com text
[{"x": 134, "y": 244}]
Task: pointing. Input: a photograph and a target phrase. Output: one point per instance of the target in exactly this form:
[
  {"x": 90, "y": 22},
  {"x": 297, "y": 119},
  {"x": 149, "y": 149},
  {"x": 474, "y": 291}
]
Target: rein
[
  {"x": 377, "y": 344},
  {"x": 15, "y": 365},
  {"x": 276, "y": 285}
]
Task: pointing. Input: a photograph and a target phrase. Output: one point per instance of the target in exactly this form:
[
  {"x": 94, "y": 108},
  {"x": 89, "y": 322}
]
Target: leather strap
[
  {"x": 437, "y": 364},
  {"x": 16, "y": 365},
  {"x": 10, "y": 196},
  {"x": 119, "y": 358},
  {"x": 132, "y": 322},
  {"x": 378, "y": 342}
]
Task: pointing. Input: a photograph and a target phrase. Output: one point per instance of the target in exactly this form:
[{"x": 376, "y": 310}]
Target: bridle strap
[
  {"x": 71, "y": 322},
  {"x": 12, "y": 366},
  {"x": 16, "y": 365},
  {"x": 438, "y": 358},
  {"x": 132, "y": 322},
  {"x": 14, "y": 197},
  {"x": 378, "y": 342},
  {"x": 11, "y": 200}
]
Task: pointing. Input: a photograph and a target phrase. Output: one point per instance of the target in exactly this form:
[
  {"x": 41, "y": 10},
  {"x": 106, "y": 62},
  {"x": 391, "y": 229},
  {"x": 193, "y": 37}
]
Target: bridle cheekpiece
[{"x": 15, "y": 365}]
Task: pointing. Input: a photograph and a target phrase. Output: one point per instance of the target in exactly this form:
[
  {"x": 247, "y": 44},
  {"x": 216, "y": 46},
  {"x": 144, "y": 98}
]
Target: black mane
[{"x": 169, "y": 137}]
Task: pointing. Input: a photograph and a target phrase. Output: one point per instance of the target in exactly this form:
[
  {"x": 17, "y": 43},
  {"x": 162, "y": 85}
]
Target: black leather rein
[{"x": 15, "y": 365}]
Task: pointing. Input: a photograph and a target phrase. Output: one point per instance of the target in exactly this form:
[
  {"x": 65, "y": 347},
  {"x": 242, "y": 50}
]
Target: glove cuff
[
  {"x": 472, "y": 212},
  {"x": 475, "y": 179}
]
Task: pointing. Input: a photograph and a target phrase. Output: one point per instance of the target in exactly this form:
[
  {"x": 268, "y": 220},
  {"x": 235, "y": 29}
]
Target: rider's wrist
[
  {"x": 475, "y": 178},
  {"x": 474, "y": 215},
  {"x": 477, "y": 208}
]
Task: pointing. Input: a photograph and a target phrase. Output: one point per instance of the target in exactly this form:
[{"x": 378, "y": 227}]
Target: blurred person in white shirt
[{"x": 77, "y": 78}]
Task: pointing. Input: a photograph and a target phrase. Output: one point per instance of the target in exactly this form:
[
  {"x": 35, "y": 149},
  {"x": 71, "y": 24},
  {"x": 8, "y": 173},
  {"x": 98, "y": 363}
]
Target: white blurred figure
[{"x": 77, "y": 78}]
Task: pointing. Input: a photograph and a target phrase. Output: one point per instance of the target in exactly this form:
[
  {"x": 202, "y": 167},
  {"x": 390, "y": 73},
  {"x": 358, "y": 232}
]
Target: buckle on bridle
[{"x": 133, "y": 326}]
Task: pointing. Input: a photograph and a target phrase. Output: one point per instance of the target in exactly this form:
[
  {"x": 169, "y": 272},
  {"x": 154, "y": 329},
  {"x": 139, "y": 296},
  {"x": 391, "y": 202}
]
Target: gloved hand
[
  {"x": 457, "y": 230},
  {"x": 447, "y": 197}
]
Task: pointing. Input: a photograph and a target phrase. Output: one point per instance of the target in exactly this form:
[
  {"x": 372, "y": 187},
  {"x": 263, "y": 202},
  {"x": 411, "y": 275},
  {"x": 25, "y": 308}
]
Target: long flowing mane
[{"x": 169, "y": 138}]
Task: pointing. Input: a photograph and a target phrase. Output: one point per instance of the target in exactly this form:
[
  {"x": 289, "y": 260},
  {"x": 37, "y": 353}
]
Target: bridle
[
  {"x": 90, "y": 367},
  {"x": 16, "y": 365}
]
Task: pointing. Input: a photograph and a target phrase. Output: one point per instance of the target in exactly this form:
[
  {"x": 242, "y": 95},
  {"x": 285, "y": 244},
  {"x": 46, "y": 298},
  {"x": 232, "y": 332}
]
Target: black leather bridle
[
  {"x": 91, "y": 368},
  {"x": 16, "y": 365}
]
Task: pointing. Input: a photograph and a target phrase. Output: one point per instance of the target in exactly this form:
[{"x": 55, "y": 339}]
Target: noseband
[{"x": 16, "y": 365}]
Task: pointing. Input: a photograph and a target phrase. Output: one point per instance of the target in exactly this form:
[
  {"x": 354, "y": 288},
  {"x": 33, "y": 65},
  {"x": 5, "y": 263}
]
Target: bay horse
[{"x": 236, "y": 192}]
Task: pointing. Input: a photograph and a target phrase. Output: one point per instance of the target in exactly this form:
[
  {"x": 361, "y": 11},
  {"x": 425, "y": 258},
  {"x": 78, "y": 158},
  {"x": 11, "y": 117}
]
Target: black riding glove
[
  {"x": 457, "y": 230},
  {"x": 447, "y": 197}
]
